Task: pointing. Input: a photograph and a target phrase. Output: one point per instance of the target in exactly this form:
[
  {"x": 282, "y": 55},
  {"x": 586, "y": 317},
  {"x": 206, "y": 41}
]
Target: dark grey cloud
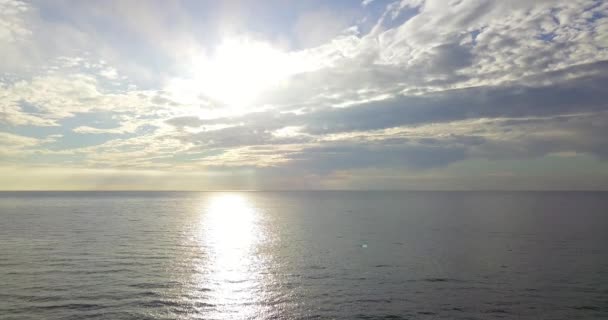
[
  {"x": 449, "y": 57},
  {"x": 380, "y": 155},
  {"x": 568, "y": 115},
  {"x": 585, "y": 94},
  {"x": 537, "y": 137},
  {"x": 510, "y": 139},
  {"x": 563, "y": 96}
]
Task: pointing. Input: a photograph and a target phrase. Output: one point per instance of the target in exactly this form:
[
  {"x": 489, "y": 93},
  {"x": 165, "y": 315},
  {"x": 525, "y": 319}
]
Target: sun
[
  {"x": 236, "y": 73},
  {"x": 240, "y": 70},
  {"x": 237, "y": 76}
]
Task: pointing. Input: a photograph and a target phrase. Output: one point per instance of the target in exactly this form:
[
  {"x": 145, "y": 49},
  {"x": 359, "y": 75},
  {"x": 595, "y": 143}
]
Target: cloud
[
  {"x": 92, "y": 130},
  {"x": 12, "y": 140},
  {"x": 387, "y": 155},
  {"x": 404, "y": 86},
  {"x": 490, "y": 122},
  {"x": 12, "y": 24},
  {"x": 186, "y": 121}
]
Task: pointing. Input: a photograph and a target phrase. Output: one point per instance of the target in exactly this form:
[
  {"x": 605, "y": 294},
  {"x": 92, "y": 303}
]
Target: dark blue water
[{"x": 304, "y": 255}]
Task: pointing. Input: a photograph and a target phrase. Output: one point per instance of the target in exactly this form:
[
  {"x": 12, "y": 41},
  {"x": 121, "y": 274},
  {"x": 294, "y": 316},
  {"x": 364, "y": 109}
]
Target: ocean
[{"x": 303, "y": 255}]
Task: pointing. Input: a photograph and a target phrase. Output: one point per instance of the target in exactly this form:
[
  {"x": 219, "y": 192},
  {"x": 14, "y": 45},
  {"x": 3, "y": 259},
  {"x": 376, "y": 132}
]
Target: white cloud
[
  {"x": 12, "y": 25},
  {"x": 109, "y": 73},
  {"x": 13, "y": 140},
  {"x": 366, "y": 2},
  {"x": 92, "y": 130}
]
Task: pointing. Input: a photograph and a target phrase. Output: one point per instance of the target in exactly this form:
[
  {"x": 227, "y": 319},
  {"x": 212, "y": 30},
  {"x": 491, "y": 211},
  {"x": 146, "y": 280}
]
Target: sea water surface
[{"x": 303, "y": 255}]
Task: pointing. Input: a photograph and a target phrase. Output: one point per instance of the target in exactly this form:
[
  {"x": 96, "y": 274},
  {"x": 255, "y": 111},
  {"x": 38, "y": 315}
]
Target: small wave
[
  {"x": 72, "y": 306},
  {"x": 374, "y": 300},
  {"x": 158, "y": 285},
  {"x": 9, "y": 264},
  {"x": 237, "y": 281},
  {"x": 385, "y": 317},
  {"x": 501, "y": 311},
  {"x": 158, "y": 303},
  {"x": 200, "y": 304},
  {"x": 42, "y": 298},
  {"x": 46, "y": 272},
  {"x": 590, "y": 308},
  {"x": 148, "y": 294},
  {"x": 315, "y": 267},
  {"x": 438, "y": 279},
  {"x": 31, "y": 298},
  {"x": 428, "y": 313}
]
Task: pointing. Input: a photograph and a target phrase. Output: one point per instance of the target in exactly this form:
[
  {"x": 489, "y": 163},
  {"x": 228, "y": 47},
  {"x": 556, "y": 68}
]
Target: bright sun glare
[{"x": 237, "y": 72}]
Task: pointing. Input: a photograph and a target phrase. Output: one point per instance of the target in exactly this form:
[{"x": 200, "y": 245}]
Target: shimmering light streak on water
[{"x": 231, "y": 232}]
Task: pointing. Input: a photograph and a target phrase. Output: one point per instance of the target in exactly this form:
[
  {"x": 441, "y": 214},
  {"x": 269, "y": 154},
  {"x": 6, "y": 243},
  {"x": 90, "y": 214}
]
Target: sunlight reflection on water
[{"x": 232, "y": 233}]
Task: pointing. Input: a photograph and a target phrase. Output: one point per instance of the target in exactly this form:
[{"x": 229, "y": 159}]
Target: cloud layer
[{"x": 468, "y": 94}]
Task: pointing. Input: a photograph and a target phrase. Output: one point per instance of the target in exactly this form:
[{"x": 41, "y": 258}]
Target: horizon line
[{"x": 316, "y": 190}]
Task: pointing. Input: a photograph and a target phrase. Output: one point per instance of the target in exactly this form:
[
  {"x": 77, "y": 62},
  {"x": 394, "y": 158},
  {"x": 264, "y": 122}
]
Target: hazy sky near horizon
[{"x": 411, "y": 94}]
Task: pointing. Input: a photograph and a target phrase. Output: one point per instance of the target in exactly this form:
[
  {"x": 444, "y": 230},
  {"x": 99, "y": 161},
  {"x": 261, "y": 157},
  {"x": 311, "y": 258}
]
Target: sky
[{"x": 291, "y": 95}]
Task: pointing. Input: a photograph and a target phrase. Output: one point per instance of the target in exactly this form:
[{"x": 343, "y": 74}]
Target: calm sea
[{"x": 304, "y": 255}]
